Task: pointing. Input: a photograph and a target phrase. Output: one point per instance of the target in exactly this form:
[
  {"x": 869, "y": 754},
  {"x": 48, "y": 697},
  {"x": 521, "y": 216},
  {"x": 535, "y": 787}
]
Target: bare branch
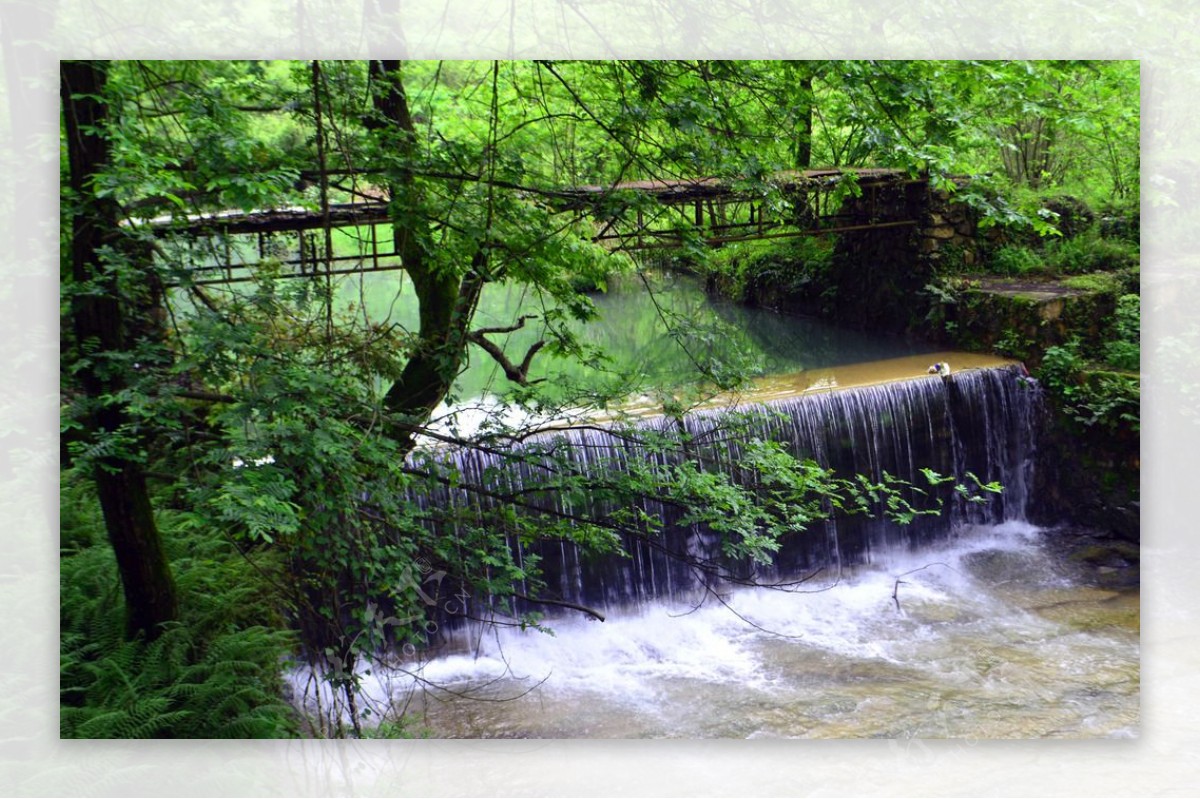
[
  {"x": 517, "y": 374},
  {"x": 595, "y": 614},
  {"x": 520, "y": 323}
]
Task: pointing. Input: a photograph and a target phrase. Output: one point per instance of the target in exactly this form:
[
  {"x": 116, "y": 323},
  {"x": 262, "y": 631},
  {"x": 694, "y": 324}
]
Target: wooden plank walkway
[{"x": 271, "y": 220}]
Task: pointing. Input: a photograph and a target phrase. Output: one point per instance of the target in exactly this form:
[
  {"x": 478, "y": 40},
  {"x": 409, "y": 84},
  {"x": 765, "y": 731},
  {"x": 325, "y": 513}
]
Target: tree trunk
[
  {"x": 804, "y": 131},
  {"x": 97, "y": 321},
  {"x": 446, "y": 297}
]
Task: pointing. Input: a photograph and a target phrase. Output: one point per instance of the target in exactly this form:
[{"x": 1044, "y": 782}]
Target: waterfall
[{"x": 981, "y": 421}]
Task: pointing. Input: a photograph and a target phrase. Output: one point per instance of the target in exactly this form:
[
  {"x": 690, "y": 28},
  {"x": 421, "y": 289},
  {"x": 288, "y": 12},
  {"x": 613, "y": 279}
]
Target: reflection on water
[
  {"x": 784, "y": 385},
  {"x": 652, "y": 330},
  {"x": 990, "y": 640}
]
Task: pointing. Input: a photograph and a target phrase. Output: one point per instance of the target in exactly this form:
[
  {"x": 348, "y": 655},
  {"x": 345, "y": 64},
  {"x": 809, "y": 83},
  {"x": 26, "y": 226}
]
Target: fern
[
  {"x": 177, "y": 686},
  {"x": 216, "y": 674}
]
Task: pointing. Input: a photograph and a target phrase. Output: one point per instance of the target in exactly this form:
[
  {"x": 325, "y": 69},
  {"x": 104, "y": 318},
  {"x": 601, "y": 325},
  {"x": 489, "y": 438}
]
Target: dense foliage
[
  {"x": 286, "y": 427},
  {"x": 214, "y": 673}
]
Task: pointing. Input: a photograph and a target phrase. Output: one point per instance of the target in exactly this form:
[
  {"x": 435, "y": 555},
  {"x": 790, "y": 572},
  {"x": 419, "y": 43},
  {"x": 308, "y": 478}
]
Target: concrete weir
[
  {"x": 771, "y": 388},
  {"x": 884, "y": 418}
]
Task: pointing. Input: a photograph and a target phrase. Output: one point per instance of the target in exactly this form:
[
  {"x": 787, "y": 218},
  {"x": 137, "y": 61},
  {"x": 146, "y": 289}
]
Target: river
[
  {"x": 984, "y": 637},
  {"x": 651, "y": 328}
]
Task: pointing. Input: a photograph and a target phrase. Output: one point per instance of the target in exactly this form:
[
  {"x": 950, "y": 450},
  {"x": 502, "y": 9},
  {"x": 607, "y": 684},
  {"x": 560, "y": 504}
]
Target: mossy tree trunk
[{"x": 804, "y": 126}]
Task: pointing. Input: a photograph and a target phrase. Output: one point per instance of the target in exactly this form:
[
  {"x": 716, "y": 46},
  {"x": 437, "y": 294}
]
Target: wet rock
[
  {"x": 1101, "y": 558},
  {"x": 1001, "y": 566}
]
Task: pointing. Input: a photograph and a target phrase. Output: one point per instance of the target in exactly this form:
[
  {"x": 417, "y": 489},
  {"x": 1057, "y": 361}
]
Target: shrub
[
  {"x": 1124, "y": 350},
  {"x": 214, "y": 674},
  {"x": 1015, "y": 260},
  {"x": 1090, "y": 253},
  {"x": 789, "y": 264},
  {"x": 1090, "y": 397},
  {"x": 1060, "y": 368},
  {"x": 951, "y": 259},
  {"x": 1014, "y": 344},
  {"x": 177, "y": 686},
  {"x": 1074, "y": 216},
  {"x": 1121, "y": 221}
]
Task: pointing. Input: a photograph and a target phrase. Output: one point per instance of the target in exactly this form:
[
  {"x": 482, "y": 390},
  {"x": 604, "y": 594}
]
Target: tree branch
[
  {"x": 520, "y": 323},
  {"x": 517, "y": 374},
  {"x": 205, "y": 396},
  {"x": 595, "y": 614}
]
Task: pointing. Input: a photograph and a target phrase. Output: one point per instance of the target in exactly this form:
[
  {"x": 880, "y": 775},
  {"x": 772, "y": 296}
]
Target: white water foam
[
  {"x": 961, "y": 656},
  {"x": 944, "y": 620}
]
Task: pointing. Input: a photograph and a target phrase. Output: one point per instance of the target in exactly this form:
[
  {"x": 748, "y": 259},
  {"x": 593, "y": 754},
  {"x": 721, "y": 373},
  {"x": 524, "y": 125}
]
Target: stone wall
[
  {"x": 876, "y": 272},
  {"x": 886, "y": 280},
  {"x": 880, "y": 275},
  {"x": 950, "y": 230},
  {"x": 1088, "y": 476},
  {"x": 1022, "y": 319}
]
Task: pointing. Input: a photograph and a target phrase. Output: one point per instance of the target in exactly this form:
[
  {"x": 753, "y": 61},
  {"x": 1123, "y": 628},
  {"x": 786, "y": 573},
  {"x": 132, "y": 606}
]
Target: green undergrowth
[
  {"x": 214, "y": 674},
  {"x": 1094, "y": 393},
  {"x": 1104, "y": 282},
  {"x": 1063, "y": 258},
  {"x": 1090, "y": 252},
  {"x": 789, "y": 265}
]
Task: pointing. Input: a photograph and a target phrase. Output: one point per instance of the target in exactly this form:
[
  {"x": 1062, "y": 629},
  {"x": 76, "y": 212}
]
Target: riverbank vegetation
[{"x": 242, "y": 462}]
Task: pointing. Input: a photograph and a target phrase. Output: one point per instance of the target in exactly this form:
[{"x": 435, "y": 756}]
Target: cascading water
[
  {"x": 958, "y": 625},
  {"x": 980, "y": 422}
]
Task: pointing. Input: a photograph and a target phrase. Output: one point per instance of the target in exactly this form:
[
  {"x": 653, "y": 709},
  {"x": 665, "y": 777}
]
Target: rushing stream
[
  {"x": 968, "y": 625},
  {"x": 989, "y": 639}
]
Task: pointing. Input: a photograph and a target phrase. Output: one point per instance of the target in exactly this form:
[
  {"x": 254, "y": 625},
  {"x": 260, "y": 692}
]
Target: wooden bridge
[{"x": 353, "y": 238}]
